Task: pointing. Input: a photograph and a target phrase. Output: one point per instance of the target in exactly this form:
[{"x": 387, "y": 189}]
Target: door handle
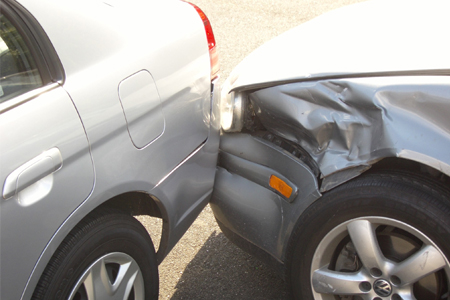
[{"x": 32, "y": 171}]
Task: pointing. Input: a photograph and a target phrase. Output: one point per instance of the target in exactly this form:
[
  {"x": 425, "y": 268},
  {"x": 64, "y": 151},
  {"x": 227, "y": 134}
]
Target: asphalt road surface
[{"x": 204, "y": 264}]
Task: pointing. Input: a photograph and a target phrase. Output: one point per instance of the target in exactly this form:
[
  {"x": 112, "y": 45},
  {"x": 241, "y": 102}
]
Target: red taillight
[{"x": 213, "y": 54}]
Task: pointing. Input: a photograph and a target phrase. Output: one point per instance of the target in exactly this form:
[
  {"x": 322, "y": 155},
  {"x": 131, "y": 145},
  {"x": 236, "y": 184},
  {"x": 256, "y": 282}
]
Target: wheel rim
[
  {"x": 113, "y": 276},
  {"x": 378, "y": 258}
]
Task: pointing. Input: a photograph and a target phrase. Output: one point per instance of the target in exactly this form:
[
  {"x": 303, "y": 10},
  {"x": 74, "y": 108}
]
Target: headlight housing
[{"x": 232, "y": 111}]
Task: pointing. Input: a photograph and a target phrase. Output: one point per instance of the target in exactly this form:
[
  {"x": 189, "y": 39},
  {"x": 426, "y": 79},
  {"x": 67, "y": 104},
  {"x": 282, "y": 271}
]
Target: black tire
[
  {"x": 370, "y": 227},
  {"x": 105, "y": 240}
]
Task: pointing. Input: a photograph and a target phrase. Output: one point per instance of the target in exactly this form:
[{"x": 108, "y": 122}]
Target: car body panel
[
  {"x": 243, "y": 200},
  {"x": 363, "y": 39},
  {"x": 141, "y": 105},
  {"x": 29, "y": 217},
  {"x": 353, "y": 87},
  {"x": 100, "y": 44},
  {"x": 186, "y": 77},
  {"x": 345, "y": 123}
]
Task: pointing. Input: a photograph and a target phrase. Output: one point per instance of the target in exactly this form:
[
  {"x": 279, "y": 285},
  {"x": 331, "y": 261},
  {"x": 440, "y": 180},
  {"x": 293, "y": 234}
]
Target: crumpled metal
[{"x": 344, "y": 123}]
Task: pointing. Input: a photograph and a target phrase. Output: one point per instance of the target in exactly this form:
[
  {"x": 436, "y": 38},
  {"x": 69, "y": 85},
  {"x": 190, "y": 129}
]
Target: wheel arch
[
  {"x": 414, "y": 165},
  {"x": 144, "y": 204},
  {"x": 135, "y": 203},
  {"x": 105, "y": 232}
]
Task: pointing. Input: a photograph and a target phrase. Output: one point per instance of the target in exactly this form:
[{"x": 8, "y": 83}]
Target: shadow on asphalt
[{"x": 220, "y": 270}]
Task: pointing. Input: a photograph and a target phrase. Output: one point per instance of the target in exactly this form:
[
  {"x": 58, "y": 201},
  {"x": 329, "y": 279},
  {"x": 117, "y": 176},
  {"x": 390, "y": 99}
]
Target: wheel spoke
[
  {"x": 125, "y": 280},
  {"x": 98, "y": 285},
  {"x": 426, "y": 261},
  {"x": 337, "y": 283},
  {"x": 365, "y": 241},
  {"x": 97, "y": 282}
]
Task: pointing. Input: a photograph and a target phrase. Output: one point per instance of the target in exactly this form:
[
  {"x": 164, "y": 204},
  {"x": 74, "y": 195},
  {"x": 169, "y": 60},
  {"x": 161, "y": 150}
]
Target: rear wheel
[
  {"x": 381, "y": 236},
  {"x": 109, "y": 255}
]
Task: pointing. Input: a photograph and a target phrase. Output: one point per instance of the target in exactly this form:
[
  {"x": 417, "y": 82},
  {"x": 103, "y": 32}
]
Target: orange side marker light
[{"x": 279, "y": 185}]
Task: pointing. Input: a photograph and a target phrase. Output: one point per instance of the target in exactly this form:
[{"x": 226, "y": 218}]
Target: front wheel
[
  {"x": 381, "y": 236},
  {"x": 109, "y": 255}
]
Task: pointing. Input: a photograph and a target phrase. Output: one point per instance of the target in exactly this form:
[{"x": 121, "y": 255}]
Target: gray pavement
[{"x": 204, "y": 264}]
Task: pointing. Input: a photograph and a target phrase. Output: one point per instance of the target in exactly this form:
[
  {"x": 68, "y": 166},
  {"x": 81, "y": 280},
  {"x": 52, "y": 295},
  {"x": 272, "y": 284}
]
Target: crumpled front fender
[{"x": 346, "y": 123}]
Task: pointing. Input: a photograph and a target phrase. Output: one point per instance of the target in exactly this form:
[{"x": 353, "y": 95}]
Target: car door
[{"x": 46, "y": 168}]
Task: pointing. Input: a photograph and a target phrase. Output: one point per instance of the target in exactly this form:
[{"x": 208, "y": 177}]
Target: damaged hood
[{"x": 374, "y": 38}]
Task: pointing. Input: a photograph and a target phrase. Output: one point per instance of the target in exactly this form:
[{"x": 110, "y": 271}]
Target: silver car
[
  {"x": 108, "y": 109},
  {"x": 334, "y": 164}
]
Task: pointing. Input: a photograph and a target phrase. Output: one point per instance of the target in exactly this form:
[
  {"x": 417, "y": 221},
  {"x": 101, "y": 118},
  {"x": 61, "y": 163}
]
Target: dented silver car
[{"x": 334, "y": 160}]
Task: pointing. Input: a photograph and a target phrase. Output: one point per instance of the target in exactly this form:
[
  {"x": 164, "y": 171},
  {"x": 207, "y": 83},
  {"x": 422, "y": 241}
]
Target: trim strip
[
  {"x": 181, "y": 163},
  {"x": 14, "y": 102}
]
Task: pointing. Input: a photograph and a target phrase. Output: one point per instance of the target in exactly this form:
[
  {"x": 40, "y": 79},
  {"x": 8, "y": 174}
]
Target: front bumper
[{"x": 243, "y": 200}]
